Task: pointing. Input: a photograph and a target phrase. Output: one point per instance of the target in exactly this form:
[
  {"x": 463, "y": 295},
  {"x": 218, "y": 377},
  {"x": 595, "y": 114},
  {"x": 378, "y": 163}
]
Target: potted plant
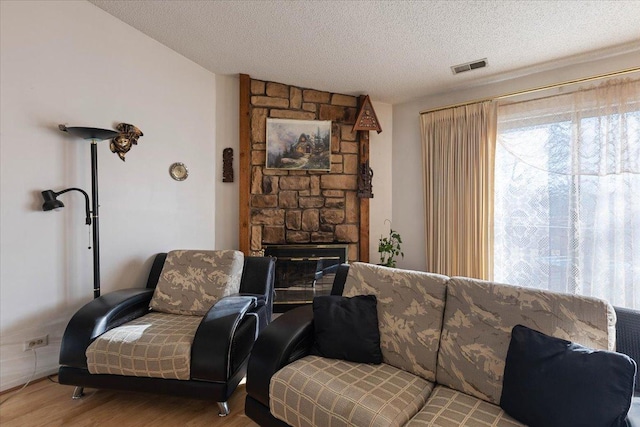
[{"x": 389, "y": 248}]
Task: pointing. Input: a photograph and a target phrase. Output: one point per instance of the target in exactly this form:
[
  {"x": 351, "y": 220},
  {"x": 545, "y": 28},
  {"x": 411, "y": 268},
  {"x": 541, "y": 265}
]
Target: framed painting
[{"x": 298, "y": 144}]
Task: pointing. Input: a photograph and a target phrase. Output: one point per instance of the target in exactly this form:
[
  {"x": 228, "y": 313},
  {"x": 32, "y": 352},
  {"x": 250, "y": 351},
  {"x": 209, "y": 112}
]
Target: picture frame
[{"x": 298, "y": 144}]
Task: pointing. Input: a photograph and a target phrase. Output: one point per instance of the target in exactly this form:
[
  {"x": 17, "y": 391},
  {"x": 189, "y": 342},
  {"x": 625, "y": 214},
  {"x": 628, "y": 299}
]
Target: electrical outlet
[{"x": 36, "y": 342}]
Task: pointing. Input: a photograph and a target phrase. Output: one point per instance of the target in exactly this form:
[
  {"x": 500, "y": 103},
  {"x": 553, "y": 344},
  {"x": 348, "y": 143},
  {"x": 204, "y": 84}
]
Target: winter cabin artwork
[{"x": 299, "y": 144}]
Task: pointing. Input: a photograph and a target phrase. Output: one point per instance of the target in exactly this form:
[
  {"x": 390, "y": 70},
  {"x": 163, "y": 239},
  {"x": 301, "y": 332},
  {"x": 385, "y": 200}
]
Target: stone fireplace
[{"x": 300, "y": 207}]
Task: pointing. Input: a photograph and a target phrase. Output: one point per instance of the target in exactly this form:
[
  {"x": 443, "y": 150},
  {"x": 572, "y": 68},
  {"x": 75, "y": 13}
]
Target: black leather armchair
[{"x": 220, "y": 348}]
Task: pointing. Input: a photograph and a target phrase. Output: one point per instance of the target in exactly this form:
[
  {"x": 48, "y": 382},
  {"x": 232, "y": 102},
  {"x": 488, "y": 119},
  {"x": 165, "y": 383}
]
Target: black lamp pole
[
  {"x": 50, "y": 201},
  {"x": 94, "y": 212}
]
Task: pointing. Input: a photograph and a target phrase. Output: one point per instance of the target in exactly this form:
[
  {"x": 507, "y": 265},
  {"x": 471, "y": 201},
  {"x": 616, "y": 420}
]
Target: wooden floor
[{"x": 45, "y": 403}]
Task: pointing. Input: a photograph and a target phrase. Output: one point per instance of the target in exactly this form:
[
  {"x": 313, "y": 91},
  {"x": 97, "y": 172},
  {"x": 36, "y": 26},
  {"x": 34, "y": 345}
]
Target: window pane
[{"x": 567, "y": 199}]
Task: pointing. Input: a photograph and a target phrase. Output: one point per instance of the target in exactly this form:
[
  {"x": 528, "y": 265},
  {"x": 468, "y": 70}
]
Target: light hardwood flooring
[{"x": 49, "y": 404}]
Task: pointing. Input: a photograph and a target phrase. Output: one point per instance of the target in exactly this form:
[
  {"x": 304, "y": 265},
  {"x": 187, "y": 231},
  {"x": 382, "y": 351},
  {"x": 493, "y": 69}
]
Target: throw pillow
[
  {"x": 347, "y": 328},
  {"x": 550, "y": 382},
  {"x": 192, "y": 281}
]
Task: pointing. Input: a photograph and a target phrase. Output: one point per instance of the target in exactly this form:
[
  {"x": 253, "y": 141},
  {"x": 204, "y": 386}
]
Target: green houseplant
[{"x": 389, "y": 248}]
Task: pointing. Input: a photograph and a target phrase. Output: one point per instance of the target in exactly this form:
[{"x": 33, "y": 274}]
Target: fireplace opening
[
  {"x": 304, "y": 271},
  {"x": 304, "y": 265}
]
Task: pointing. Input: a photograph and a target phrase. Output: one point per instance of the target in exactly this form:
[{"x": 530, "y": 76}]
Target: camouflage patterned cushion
[
  {"x": 193, "y": 281},
  {"x": 477, "y": 327},
  {"x": 410, "y": 310}
]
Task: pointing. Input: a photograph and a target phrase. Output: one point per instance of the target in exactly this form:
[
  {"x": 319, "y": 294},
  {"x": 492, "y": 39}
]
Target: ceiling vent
[{"x": 480, "y": 63}]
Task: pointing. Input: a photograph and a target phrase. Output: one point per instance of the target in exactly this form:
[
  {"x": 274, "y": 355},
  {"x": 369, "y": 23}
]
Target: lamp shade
[
  {"x": 89, "y": 133},
  {"x": 50, "y": 201}
]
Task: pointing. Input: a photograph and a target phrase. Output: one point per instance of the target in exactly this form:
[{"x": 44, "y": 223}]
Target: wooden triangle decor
[{"x": 367, "y": 119}]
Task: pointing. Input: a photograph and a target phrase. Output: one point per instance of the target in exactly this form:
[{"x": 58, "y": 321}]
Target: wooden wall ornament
[
  {"x": 366, "y": 118},
  {"x": 227, "y": 165},
  {"x": 365, "y": 184}
]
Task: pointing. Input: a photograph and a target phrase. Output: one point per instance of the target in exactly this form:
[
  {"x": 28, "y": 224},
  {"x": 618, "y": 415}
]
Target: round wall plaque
[{"x": 178, "y": 171}]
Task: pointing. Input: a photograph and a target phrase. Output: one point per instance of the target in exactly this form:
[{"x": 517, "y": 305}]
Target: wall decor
[
  {"x": 298, "y": 144},
  {"x": 367, "y": 119},
  {"x": 365, "y": 181},
  {"x": 227, "y": 165},
  {"x": 178, "y": 171},
  {"x": 127, "y": 137}
]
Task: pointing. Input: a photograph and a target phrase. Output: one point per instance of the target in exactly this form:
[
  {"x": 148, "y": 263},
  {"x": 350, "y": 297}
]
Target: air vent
[{"x": 480, "y": 63}]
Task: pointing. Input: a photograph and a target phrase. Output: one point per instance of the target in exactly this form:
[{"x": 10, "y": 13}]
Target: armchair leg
[
  {"x": 78, "y": 392},
  {"x": 224, "y": 409}
]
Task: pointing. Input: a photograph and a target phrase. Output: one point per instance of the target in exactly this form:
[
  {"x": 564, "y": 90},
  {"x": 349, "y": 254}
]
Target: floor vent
[{"x": 480, "y": 63}]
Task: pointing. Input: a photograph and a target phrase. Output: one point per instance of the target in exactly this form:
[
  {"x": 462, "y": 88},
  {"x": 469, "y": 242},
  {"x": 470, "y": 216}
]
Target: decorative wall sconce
[
  {"x": 227, "y": 165},
  {"x": 121, "y": 144}
]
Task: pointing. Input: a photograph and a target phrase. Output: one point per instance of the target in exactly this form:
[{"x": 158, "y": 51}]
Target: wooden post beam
[{"x": 245, "y": 162}]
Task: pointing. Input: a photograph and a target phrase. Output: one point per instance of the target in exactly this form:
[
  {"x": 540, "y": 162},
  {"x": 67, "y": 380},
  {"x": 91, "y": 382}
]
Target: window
[{"x": 567, "y": 193}]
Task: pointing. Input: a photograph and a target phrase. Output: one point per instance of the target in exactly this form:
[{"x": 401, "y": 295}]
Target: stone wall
[{"x": 294, "y": 207}]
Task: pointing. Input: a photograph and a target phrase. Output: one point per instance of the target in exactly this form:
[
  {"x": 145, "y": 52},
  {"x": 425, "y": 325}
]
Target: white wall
[
  {"x": 380, "y": 149},
  {"x": 227, "y": 135},
  {"x": 70, "y": 62},
  {"x": 408, "y": 203}
]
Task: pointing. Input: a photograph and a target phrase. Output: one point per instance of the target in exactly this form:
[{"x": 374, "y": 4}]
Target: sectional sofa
[{"x": 444, "y": 343}]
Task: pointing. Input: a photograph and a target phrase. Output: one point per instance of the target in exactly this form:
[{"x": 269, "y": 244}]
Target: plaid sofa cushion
[
  {"x": 191, "y": 282},
  {"x": 156, "y": 345},
  {"x": 477, "y": 327},
  {"x": 450, "y": 408},
  {"x": 410, "y": 309},
  {"x": 320, "y": 392}
]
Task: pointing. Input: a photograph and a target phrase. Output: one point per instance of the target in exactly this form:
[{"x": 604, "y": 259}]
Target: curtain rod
[{"x": 536, "y": 89}]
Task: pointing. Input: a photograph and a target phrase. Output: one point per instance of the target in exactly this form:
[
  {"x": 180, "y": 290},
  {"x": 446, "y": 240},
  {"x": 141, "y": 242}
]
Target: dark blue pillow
[
  {"x": 550, "y": 382},
  {"x": 347, "y": 328}
]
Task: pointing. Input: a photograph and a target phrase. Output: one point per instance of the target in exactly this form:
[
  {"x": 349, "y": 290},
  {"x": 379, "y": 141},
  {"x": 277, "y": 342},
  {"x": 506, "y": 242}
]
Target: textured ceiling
[{"x": 392, "y": 50}]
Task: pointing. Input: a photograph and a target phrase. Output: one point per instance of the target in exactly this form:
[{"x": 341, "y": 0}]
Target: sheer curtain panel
[
  {"x": 567, "y": 194},
  {"x": 458, "y": 147}
]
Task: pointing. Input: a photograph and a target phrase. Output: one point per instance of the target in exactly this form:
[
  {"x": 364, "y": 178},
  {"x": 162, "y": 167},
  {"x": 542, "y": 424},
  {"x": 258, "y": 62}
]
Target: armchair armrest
[
  {"x": 628, "y": 336},
  {"x": 261, "y": 300},
  {"x": 286, "y": 339},
  {"x": 226, "y": 332},
  {"x": 97, "y": 317}
]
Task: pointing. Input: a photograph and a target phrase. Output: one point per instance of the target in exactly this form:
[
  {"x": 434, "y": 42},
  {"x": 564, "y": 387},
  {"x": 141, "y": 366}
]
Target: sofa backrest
[
  {"x": 478, "y": 319},
  {"x": 410, "y": 310}
]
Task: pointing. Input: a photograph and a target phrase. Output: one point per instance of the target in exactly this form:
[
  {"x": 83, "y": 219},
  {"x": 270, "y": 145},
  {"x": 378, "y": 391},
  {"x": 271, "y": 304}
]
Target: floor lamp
[{"x": 50, "y": 197}]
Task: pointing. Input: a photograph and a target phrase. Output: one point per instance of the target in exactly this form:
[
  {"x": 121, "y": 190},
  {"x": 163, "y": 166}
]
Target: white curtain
[{"x": 567, "y": 193}]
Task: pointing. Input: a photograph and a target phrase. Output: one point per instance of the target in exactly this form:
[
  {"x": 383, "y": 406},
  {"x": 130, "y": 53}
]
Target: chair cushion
[
  {"x": 156, "y": 345},
  {"x": 410, "y": 309},
  {"x": 477, "y": 327},
  {"x": 553, "y": 382},
  {"x": 346, "y": 328},
  {"x": 314, "y": 391},
  {"x": 191, "y": 282},
  {"x": 450, "y": 408}
]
